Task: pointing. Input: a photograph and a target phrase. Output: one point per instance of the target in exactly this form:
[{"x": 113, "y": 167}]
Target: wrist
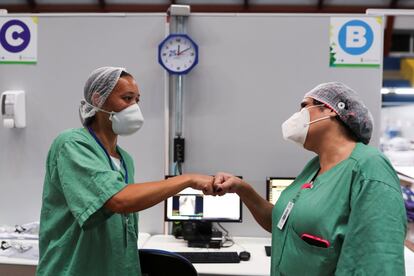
[
  {"x": 188, "y": 181},
  {"x": 241, "y": 187},
  {"x": 183, "y": 181}
]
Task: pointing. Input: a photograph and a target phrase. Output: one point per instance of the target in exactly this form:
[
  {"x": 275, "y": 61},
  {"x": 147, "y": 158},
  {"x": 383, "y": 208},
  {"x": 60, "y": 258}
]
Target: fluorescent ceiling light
[{"x": 400, "y": 91}]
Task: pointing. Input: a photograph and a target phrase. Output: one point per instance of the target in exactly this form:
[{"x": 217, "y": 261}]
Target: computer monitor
[
  {"x": 193, "y": 213},
  {"x": 275, "y": 186},
  {"x": 193, "y": 205}
]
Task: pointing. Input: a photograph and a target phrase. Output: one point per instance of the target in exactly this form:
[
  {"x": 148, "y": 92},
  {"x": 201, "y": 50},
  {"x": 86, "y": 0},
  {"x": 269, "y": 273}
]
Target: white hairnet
[
  {"x": 101, "y": 82},
  {"x": 349, "y": 107}
]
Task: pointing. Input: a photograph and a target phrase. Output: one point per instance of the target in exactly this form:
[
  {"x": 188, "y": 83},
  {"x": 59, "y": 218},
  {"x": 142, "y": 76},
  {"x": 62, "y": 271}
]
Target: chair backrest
[{"x": 156, "y": 262}]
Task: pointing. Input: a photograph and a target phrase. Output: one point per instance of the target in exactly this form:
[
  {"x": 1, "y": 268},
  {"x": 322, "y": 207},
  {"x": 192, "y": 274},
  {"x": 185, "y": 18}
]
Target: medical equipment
[
  {"x": 197, "y": 211},
  {"x": 192, "y": 205}
]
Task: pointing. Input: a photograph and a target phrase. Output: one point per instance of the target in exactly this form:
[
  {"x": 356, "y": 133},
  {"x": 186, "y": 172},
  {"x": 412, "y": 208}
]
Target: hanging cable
[{"x": 226, "y": 237}]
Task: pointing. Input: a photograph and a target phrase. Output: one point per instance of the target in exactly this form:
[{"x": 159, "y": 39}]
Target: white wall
[
  {"x": 69, "y": 48},
  {"x": 254, "y": 71},
  {"x": 252, "y": 74}
]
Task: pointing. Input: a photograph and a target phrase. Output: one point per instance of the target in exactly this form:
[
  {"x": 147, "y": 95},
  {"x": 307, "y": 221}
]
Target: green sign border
[{"x": 18, "y": 62}]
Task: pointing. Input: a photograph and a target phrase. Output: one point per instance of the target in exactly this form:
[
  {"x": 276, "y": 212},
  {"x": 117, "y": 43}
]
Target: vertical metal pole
[
  {"x": 179, "y": 84},
  {"x": 167, "y": 110},
  {"x": 175, "y": 95},
  {"x": 179, "y": 106},
  {"x": 167, "y": 120}
]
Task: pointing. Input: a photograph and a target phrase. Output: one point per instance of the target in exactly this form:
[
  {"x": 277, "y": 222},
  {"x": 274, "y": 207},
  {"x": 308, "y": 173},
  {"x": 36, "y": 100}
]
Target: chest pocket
[{"x": 301, "y": 258}]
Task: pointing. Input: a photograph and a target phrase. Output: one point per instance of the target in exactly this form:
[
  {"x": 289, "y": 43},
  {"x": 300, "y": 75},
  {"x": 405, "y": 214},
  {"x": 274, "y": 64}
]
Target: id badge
[{"x": 285, "y": 215}]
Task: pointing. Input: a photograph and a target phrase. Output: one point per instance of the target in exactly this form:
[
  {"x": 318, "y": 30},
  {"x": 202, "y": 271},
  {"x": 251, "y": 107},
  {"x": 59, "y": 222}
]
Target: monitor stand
[{"x": 199, "y": 234}]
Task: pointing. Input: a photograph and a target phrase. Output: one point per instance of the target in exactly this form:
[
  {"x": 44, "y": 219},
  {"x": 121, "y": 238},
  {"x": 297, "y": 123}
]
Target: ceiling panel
[
  {"x": 206, "y": 5},
  {"x": 284, "y": 2},
  {"x": 66, "y": 2},
  {"x": 384, "y": 3},
  {"x": 406, "y": 3},
  {"x": 8, "y": 2},
  {"x": 211, "y": 2},
  {"x": 153, "y": 2}
]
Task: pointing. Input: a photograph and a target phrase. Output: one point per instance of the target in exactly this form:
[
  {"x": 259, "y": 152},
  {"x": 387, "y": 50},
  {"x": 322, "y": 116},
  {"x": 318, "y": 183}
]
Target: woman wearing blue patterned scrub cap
[
  {"x": 344, "y": 213},
  {"x": 89, "y": 221}
]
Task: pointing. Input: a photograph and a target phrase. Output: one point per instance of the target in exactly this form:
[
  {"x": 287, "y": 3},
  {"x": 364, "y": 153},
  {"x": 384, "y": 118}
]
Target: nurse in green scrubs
[
  {"x": 344, "y": 213},
  {"x": 88, "y": 223}
]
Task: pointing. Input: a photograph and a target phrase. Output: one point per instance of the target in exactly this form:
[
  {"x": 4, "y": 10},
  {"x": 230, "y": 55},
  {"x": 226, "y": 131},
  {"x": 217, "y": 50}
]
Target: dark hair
[
  {"x": 316, "y": 102},
  {"x": 88, "y": 121},
  {"x": 125, "y": 74},
  {"x": 346, "y": 129}
]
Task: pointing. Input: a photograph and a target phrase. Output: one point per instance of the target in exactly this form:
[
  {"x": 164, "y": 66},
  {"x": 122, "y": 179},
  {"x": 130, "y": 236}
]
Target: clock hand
[
  {"x": 178, "y": 50},
  {"x": 179, "y": 53}
]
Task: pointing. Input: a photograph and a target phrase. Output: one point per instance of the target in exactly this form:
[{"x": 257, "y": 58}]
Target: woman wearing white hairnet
[
  {"x": 344, "y": 214},
  {"x": 88, "y": 224}
]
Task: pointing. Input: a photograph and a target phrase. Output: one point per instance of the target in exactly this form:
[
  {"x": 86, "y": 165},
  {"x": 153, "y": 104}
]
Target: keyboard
[{"x": 211, "y": 257}]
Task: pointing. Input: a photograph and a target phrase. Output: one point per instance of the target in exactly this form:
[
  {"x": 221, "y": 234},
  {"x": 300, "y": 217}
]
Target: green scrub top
[
  {"x": 78, "y": 236},
  {"x": 357, "y": 206}
]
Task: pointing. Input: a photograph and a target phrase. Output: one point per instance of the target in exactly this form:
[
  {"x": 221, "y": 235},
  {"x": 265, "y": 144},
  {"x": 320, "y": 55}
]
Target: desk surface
[
  {"x": 258, "y": 265},
  {"x": 142, "y": 239}
]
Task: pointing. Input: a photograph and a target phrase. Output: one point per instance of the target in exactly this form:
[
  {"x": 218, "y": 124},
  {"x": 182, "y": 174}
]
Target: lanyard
[
  {"x": 107, "y": 154},
  {"x": 112, "y": 167},
  {"x": 289, "y": 206},
  {"x": 307, "y": 185}
]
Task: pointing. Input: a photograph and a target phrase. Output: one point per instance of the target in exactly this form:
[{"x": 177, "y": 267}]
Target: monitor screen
[
  {"x": 275, "y": 186},
  {"x": 193, "y": 205}
]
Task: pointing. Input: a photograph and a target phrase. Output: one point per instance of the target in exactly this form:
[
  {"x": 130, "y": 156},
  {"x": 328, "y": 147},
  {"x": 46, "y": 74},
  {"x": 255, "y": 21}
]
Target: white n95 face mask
[
  {"x": 296, "y": 127},
  {"x": 125, "y": 122}
]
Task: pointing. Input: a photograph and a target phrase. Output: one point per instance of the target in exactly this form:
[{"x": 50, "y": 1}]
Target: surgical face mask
[
  {"x": 127, "y": 121},
  {"x": 296, "y": 127}
]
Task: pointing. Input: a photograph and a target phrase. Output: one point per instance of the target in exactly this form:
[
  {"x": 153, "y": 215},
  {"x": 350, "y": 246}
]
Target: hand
[
  {"x": 226, "y": 183},
  {"x": 202, "y": 182}
]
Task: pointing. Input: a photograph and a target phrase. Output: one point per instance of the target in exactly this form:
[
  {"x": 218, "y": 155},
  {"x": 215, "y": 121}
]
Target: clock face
[{"x": 178, "y": 54}]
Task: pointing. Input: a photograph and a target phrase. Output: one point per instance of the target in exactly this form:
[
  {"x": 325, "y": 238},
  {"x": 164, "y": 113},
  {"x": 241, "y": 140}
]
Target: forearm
[
  {"x": 137, "y": 197},
  {"x": 260, "y": 208}
]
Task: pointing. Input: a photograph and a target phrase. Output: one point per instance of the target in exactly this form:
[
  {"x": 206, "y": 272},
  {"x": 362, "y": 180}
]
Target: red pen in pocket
[{"x": 314, "y": 240}]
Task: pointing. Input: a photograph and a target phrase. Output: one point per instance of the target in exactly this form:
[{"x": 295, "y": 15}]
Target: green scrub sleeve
[
  {"x": 87, "y": 182},
  {"x": 373, "y": 244}
]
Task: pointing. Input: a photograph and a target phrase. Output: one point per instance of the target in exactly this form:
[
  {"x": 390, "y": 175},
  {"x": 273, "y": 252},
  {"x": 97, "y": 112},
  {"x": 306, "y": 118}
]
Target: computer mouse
[{"x": 244, "y": 256}]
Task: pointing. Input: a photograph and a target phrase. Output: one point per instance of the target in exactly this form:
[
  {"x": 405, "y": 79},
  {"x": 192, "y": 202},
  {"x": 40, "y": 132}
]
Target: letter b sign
[{"x": 355, "y": 37}]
